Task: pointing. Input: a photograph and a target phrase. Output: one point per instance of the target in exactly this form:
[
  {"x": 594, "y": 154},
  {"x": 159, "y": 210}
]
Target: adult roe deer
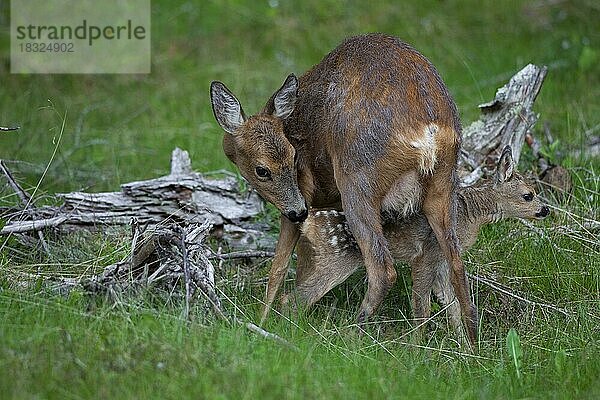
[
  {"x": 370, "y": 129},
  {"x": 334, "y": 254}
]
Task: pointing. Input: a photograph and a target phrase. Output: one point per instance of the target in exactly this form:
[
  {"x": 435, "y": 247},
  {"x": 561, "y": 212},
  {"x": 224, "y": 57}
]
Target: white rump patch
[{"x": 427, "y": 149}]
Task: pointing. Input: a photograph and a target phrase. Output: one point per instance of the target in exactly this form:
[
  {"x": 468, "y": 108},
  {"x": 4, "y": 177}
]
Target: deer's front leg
[
  {"x": 288, "y": 236},
  {"x": 439, "y": 206}
]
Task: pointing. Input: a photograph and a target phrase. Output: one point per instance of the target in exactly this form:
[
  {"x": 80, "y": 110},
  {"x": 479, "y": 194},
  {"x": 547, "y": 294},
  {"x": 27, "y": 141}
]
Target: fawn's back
[{"x": 328, "y": 232}]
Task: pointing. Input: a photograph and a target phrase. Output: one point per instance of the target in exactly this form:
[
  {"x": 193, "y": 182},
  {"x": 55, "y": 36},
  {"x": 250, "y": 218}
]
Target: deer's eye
[
  {"x": 263, "y": 173},
  {"x": 528, "y": 196}
]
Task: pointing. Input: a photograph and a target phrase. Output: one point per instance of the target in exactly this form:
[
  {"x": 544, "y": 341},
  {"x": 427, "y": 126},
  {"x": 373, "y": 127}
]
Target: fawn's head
[
  {"x": 515, "y": 197},
  {"x": 259, "y": 148}
]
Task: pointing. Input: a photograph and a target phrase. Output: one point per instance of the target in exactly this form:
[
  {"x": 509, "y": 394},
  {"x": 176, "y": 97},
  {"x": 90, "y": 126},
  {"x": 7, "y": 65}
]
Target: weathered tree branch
[
  {"x": 182, "y": 196},
  {"x": 504, "y": 121},
  {"x": 165, "y": 256}
]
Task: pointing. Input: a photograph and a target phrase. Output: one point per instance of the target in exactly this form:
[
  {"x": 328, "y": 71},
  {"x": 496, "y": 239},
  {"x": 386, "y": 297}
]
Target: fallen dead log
[
  {"x": 504, "y": 121},
  {"x": 163, "y": 256},
  {"x": 168, "y": 258},
  {"x": 181, "y": 197}
]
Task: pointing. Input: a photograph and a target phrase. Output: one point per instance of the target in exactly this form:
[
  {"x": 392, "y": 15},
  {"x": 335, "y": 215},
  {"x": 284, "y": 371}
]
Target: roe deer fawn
[
  {"x": 333, "y": 254},
  {"x": 369, "y": 129}
]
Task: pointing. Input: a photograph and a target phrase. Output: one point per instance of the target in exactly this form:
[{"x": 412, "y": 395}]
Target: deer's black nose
[
  {"x": 544, "y": 212},
  {"x": 297, "y": 216}
]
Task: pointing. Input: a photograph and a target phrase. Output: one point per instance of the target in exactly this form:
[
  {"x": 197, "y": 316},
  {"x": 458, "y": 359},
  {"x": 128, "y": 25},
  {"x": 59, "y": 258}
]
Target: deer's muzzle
[{"x": 544, "y": 212}]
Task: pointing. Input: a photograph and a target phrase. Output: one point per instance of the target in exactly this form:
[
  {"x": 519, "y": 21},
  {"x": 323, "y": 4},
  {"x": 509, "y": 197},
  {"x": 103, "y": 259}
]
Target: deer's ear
[
  {"x": 506, "y": 165},
  {"x": 226, "y": 107},
  {"x": 282, "y": 103}
]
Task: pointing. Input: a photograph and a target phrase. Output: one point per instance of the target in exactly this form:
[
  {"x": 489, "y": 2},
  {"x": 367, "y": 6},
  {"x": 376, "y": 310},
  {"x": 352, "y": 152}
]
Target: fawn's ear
[
  {"x": 226, "y": 107},
  {"x": 506, "y": 165},
  {"x": 282, "y": 103}
]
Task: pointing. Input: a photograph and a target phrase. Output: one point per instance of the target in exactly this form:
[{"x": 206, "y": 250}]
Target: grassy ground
[{"x": 122, "y": 127}]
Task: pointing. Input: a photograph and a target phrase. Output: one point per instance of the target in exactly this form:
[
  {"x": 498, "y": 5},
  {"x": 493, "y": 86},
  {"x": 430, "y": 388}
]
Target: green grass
[
  {"x": 54, "y": 347},
  {"x": 119, "y": 128}
]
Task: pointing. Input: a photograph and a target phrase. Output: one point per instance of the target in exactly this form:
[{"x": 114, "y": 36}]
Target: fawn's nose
[
  {"x": 297, "y": 216},
  {"x": 544, "y": 212}
]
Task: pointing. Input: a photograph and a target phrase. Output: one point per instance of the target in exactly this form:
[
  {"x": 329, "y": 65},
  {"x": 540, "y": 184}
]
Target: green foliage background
[{"x": 123, "y": 127}]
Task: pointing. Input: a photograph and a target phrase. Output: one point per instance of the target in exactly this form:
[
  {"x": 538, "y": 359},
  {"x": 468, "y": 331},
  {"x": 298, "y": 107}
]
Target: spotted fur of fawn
[
  {"x": 370, "y": 129},
  {"x": 336, "y": 256}
]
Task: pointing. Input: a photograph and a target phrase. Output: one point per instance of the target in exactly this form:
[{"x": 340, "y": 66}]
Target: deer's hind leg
[{"x": 439, "y": 206}]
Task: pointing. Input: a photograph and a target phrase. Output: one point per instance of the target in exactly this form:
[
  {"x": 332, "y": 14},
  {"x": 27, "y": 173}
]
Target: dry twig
[
  {"x": 186, "y": 275},
  {"x": 267, "y": 335},
  {"x": 25, "y": 200},
  {"x": 241, "y": 255}
]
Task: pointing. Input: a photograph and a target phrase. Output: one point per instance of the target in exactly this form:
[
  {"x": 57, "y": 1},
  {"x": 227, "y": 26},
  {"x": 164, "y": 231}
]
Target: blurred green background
[{"x": 120, "y": 128}]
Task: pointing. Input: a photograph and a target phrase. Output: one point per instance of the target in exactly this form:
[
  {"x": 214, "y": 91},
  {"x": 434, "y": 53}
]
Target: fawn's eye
[
  {"x": 528, "y": 196},
  {"x": 263, "y": 173}
]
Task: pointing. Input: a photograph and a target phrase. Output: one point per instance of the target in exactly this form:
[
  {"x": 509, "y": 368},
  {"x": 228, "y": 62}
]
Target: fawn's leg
[
  {"x": 443, "y": 291},
  {"x": 422, "y": 283},
  {"x": 328, "y": 272},
  {"x": 305, "y": 261}
]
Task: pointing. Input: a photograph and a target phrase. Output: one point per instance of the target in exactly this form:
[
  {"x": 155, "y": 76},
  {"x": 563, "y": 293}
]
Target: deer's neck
[{"x": 477, "y": 206}]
